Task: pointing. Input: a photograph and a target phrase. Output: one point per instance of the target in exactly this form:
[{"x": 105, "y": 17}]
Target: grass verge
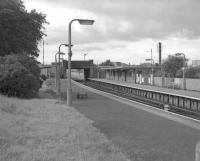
[{"x": 47, "y": 130}]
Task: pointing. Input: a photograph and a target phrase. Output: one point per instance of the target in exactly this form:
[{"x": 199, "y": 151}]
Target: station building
[{"x": 132, "y": 74}]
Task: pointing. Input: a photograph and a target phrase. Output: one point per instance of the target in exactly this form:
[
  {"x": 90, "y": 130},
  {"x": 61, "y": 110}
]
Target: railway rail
[{"x": 180, "y": 104}]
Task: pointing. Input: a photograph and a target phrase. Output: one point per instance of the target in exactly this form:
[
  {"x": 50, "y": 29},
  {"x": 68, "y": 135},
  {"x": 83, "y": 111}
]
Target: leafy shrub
[{"x": 16, "y": 79}]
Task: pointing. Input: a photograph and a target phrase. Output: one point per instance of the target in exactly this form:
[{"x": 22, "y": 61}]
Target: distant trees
[
  {"x": 20, "y": 33},
  {"x": 107, "y": 63},
  {"x": 190, "y": 72},
  {"x": 172, "y": 65}
]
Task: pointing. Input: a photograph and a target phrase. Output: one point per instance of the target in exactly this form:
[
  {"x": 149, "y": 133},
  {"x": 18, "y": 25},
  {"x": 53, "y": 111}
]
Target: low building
[
  {"x": 47, "y": 70},
  {"x": 195, "y": 63},
  {"x": 132, "y": 74}
]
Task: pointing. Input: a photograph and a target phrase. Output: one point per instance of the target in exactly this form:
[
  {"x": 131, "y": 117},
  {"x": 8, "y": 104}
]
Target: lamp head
[
  {"x": 148, "y": 59},
  {"x": 66, "y": 45},
  {"x": 179, "y": 54},
  {"x": 61, "y": 53},
  {"x": 85, "y": 21}
]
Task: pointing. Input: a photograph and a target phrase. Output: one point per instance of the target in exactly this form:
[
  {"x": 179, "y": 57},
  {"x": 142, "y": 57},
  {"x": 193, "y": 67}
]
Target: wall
[
  {"x": 44, "y": 71},
  {"x": 191, "y": 84},
  {"x": 122, "y": 76},
  {"x": 130, "y": 77},
  {"x": 176, "y": 83},
  {"x": 107, "y": 75}
]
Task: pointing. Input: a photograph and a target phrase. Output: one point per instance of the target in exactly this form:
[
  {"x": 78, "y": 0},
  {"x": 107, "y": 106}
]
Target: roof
[
  {"x": 45, "y": 66},
  {"x": 127, "y": 67}
]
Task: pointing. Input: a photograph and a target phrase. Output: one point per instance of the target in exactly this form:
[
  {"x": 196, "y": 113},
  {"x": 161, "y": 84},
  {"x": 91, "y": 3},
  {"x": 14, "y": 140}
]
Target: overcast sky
[{"x": 124, "y": 30}]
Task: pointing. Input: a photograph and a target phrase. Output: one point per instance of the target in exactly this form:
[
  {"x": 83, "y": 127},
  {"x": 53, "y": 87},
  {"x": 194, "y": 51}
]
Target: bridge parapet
[{"x": 78, "y": 64}]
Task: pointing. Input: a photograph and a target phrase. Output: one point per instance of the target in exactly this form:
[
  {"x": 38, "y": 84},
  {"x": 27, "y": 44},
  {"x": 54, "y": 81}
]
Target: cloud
[
  {"x": 138, "y": 19},
  {"x": 123, "y": 29}
]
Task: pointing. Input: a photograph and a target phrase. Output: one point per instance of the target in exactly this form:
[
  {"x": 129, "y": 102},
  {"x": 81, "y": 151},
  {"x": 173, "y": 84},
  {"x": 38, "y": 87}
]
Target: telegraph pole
[{"x": 43, "y": 50}]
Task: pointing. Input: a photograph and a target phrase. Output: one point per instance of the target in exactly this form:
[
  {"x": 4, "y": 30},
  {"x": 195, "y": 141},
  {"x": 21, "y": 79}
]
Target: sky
[{"x": 124, "y": 30}]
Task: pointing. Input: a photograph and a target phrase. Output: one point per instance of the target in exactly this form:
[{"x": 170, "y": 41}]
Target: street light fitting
[
  {"x": 85, "y": 21},
  {"x": 61, "y": 53},
  {"x": 66, "y": 45},
  {"x": 69, "y": 87},
  {"x": 85, "y": 55},
  {"x": 179, "y": 54},
  {"x": 148, "y": 59}
]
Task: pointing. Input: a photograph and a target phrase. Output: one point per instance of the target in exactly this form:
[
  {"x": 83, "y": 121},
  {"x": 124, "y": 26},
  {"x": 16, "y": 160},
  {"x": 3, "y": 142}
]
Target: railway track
[{"x": 186, "y": 106}]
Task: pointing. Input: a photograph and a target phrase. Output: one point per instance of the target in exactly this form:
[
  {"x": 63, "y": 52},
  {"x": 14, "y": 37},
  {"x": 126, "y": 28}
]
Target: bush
[{"x": 16, "y": 79}]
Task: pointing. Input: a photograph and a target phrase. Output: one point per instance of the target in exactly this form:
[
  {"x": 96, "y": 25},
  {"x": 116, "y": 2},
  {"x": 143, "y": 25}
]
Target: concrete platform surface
[
  {"x": 140, "y": 135},
  {"x": 156, "y": 88}
]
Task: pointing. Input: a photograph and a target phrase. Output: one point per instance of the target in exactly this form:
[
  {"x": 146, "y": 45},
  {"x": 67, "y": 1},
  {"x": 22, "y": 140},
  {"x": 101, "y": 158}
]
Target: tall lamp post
[
  {"x": 152, "y": 63},
  {"x": 85, "y": 55},
  {"x": 69, "y": 88},
  {"x": 56, "y": 72},
  {"x": 59, "y": 53},
  {"x": 43, "y": 50},
  {"x": 43, "y": 43},
  {"x": 184, "y": 65},
  {"x": 151, "y": 51}
]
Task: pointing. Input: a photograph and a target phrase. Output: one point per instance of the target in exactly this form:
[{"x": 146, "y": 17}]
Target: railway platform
[
  {"x": 141, "y": 132},
  {"x": 186, "y": 93}
]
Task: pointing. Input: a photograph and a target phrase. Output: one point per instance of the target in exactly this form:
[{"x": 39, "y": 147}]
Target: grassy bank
[{"x": 47, "y": 130}]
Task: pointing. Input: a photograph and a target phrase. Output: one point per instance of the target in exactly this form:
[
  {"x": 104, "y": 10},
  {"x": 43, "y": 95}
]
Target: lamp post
[
  {"x": 85, "y": 55},
  {"x": 59, "y": 67},
  {"x": 56, "y": 73},
  {"x": 151, "y": 51},
  {"x": 69, "y": 88},
  {"x": 184, "y": 64},
  {"x": 43, "y": 50},
  {"x": 152, "y": 63}
]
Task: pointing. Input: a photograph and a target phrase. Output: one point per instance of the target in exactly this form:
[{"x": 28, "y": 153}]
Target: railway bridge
[{"x": 87, "y": 66}]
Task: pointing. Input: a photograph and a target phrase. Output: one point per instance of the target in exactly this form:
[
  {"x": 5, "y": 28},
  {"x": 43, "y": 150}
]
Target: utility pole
[
  {"x": 152, "y": 63},
  {"x": 43, "y": 50},
  {"x": 85, "y": 55}
]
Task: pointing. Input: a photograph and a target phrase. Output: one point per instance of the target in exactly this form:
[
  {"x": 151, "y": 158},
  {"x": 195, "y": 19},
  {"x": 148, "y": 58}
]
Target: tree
[
  {"x": 192, "y": 72},
  {"x": 20, "y": 30},
  {"x": 172, "y": 65},
  {"x": 19, "y": 76},
  {"x": 20, "y": 33},
  {"x": 107, "y": 63}
]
